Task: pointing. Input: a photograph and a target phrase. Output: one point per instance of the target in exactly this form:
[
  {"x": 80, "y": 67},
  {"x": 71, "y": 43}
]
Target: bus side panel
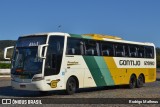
[
  {"x": 76, "y": 66},
  {"x": 94, "y": 71},
  {"x": 99, "y": 70},
  {"x": 122, "y": 75},
  {"x": 116, "y": 73},
  {"x": 151, "y": 75}
]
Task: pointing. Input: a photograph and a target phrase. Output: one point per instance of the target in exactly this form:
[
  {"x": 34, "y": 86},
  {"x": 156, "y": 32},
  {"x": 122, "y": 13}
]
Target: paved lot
[{"x": 149, "y": 90}]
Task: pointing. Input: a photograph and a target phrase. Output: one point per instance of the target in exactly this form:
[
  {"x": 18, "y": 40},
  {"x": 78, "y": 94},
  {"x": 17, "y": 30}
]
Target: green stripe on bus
[
  {"x": 75, "y": 35},
  {"x": 104, "y": 70},
  {"x": 80, "y": 36},
  {"x": 95, "y": 71}
]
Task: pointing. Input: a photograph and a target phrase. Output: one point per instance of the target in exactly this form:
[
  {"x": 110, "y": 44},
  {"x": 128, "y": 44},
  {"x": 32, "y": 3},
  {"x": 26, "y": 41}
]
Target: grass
[{"x": 5, "y": 66}]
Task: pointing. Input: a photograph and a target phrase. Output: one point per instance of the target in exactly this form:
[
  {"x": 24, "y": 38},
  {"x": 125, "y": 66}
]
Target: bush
[{"x": 4, "y": 66}]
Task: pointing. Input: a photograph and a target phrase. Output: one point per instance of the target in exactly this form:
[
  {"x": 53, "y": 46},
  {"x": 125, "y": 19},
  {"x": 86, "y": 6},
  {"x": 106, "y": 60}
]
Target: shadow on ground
[
  {"x": 158, "y": 79},
  {"x": 8, "y": 91}
]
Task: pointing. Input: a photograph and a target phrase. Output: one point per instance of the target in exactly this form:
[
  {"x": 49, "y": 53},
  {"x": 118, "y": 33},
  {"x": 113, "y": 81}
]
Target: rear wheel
[
  {"x": 71, "y": 86},
  {"x": 140, "y": 81},
  {"x": 132, "y": 82}
]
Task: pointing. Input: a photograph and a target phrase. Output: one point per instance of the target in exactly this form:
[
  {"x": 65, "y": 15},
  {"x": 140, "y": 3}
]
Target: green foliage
[
  {"x": 3, "y": 44},
  {"x": 4, "y": 66}
]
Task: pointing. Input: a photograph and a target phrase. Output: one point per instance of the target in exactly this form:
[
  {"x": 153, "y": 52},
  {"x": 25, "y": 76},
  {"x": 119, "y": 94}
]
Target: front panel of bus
[{"x": 30, "y": 72}]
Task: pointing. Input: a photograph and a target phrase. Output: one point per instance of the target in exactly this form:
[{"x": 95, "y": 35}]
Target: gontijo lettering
[{"x": 130, "y": 62}]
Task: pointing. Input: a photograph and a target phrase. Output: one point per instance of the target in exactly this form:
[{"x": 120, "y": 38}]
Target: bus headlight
[{"x": 37, "y": 78}]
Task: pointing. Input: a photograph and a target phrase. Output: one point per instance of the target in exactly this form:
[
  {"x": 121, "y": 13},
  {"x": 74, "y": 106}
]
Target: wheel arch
[{"x": 133, "y": 75}]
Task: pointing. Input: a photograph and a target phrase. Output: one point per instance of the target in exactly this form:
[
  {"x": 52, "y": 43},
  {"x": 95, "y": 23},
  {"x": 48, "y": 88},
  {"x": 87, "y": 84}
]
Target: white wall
[{"x": 5, "y": 71}]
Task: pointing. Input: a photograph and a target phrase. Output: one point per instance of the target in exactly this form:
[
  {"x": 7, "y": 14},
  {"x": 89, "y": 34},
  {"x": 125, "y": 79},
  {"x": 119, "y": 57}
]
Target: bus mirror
[
  {"x": 40, "y": 50},
  {"x": 5, "y": 52}
]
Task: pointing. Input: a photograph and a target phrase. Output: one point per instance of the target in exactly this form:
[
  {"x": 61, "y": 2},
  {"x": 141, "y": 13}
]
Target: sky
[{"x": 133, "y": 20}]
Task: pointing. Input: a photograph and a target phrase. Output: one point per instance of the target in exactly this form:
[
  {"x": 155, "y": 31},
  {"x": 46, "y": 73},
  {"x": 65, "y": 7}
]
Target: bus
[{"x": 64, "y": 61}]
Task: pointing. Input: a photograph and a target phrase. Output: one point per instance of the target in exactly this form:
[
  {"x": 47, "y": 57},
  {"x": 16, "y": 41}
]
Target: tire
[
  {"x": 43, "y": 92},
  {"x": 140, "y": 81},
  {"x": 132, "y": 82},
  {"x": 71, "y": 86}
]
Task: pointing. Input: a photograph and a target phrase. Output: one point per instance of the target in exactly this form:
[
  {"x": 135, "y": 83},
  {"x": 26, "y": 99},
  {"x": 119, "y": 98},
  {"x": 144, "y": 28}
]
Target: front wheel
[
  {"x": 43, "y": 92},
  {"x": 71, "y": 86},
  {"x": 132, "y": 82}
]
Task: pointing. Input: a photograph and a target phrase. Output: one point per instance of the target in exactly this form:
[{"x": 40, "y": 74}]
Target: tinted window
[
  {"x": 91, "y": 48},
  {"x": 126, "y": 50},
  {"x": 107, "y": 49},
  {"x": 54, "y": 55},
  {"x": 74, "y": 46},
  {"x": 140, "y": 50},
  {"x": 31, "y": 41},
  {"x": 119, "y": 50},
  {"x": 149, "y": 52},
  {"x": 133, "y": 51}
]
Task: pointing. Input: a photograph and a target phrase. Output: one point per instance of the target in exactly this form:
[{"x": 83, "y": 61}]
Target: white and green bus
[{"x": 63, "y": 61}]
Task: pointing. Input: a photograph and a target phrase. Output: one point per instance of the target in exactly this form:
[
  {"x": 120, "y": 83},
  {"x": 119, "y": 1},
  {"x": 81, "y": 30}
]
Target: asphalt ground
[{"x": 149, "y": 90}]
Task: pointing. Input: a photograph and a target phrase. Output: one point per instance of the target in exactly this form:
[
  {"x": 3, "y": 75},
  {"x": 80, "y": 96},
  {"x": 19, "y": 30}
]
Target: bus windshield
[{"x": 25, "y": 59}]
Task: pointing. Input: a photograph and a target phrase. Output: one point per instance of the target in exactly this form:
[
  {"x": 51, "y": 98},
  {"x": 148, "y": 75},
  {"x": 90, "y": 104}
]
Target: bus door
[{"x": 54, "y": 55}]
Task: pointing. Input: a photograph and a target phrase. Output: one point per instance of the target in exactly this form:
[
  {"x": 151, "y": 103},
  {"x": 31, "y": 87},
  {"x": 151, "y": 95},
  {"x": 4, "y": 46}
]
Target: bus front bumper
[{"x": 32, "y": 86}]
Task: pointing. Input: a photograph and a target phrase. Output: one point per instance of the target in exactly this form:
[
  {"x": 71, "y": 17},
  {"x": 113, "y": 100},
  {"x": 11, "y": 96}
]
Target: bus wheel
[
  {"x": 43, "y": 92},
  {"x": 132, "y": 82},
  {"x": 71, "y": 86},
  {"x": 140, "y": 81}
]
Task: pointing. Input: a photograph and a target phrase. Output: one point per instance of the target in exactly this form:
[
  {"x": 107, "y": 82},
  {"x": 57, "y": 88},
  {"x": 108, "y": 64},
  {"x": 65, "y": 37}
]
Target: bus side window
[
  {"x": 126, "y": 50},
  {"x": 141, "y": 51},
  {"x": 74, "y": 46},
  {"x": 107, "y": 49},
  {"x": 149, "y": 52},
  {"x": 133, "y": 51},
  {"x": 91, "y": 48},
  {"x": 119, "y": 50}
]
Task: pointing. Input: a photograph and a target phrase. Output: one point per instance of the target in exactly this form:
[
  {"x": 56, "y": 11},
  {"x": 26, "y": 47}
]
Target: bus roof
[
  {"x": 103, "y": 36},
  {"x": 44, "y": 34},
  {"x": 92, "y": 36},
  {"x": 109, "y": 38}
]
